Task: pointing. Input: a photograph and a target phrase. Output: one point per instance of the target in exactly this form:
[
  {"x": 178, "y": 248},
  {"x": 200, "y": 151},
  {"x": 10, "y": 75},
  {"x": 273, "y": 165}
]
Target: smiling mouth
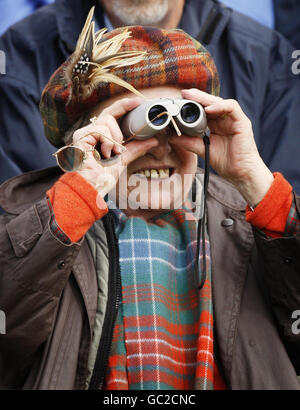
[{"x": 155, "y": 173}]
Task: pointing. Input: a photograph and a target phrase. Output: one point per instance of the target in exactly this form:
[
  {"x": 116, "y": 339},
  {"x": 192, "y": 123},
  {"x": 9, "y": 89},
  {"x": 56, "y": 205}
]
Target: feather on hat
[
  {"x": 108, "y": 64},
  {"x": 93, "y": 60},
  {"x": 69, "y": 92}
]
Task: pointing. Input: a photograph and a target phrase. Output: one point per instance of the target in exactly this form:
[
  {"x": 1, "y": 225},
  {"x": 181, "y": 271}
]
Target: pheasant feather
[{"x": 93, "y": 59}]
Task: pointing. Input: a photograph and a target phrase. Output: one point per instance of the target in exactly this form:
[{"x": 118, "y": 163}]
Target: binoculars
[{"x": 153, "y": 116}]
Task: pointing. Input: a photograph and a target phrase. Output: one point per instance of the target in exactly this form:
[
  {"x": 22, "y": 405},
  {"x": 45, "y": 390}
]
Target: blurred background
[
  {"x": 281, "y": 15},
  {"x": 12, "y": 11}
]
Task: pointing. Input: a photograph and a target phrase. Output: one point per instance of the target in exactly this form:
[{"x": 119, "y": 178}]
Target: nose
[{"x": 162, "y": 149}]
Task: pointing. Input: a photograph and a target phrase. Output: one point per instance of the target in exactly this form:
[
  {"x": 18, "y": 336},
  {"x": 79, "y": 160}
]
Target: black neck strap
[{"x": 199, "y": 282}]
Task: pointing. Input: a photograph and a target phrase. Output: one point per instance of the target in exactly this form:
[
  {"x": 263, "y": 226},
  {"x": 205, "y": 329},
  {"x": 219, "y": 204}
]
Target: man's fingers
[
  {"x": 121, "y": 107},
  {"x": 83, "y": 137},
  {"x": 225, "y": 108},
  {"x": 116, "y": 133},
  {"x": 215, "y": 106},
  {"x": 199, "y": 96},
  {"x": 192, "y": 144},
  {"x": 224, "y": 117},
  {"x": 106, "y": 144},
  {"x": 106, "y": 133}
]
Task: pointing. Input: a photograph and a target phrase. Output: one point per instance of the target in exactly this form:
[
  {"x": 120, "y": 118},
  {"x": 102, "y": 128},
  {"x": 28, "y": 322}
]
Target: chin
[
  {"x": 157, "y": 200},
  {"x": 154, "y": 194}
]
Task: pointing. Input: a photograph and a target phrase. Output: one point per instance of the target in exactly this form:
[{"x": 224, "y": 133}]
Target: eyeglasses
[{"x": 70, "y": 158}]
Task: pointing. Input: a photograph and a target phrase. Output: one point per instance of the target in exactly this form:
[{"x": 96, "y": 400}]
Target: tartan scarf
[{"x": 163, "y": 336}]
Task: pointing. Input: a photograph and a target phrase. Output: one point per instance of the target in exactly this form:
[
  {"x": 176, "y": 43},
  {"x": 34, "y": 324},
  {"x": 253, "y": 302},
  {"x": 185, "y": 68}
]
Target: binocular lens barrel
[
  {"x": 154, "y": 115},
  {"x": 190, "y": 113},
  {"x": 154, "y": 112}
]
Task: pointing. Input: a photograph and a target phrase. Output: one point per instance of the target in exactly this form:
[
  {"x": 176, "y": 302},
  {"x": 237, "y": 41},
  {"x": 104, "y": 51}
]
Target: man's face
[
  {"x": 161, "y": 178},
  {"x": 138, "y": 12}
]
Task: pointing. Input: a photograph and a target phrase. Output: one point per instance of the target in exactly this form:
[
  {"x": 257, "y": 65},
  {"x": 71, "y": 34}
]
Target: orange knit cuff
[
  {"x": 76, "y": 205},
  {"x": 271, "y": 213}
]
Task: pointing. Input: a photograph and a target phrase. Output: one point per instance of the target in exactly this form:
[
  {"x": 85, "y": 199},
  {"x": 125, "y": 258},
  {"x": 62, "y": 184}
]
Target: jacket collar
[
  {"x": 195, "y": 15},
  {"x": 71, "y": 15},
  {"x": 19, "y": 193}
]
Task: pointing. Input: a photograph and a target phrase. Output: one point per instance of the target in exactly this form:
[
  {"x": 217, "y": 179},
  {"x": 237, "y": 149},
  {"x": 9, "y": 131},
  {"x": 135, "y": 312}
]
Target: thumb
[{"x": 192, "y": 144}]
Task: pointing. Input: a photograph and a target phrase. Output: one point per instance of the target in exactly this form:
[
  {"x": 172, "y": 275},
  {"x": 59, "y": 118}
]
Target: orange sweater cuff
[
  {"x": 76, "y": 205},
  {"x": 271, "y": 213}
]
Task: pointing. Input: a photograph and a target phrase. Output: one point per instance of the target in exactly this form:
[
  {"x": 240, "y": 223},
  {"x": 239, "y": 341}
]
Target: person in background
[
  {"x": 13, "y": 11},
  {"x": 254, "y": 65}
]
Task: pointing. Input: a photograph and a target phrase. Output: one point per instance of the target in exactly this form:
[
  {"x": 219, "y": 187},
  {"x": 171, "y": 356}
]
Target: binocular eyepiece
[{"x": 153, "y": 116}]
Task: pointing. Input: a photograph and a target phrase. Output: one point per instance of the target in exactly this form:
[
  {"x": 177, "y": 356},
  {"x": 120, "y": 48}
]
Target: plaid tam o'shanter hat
[{"x": 128, "y": 58}]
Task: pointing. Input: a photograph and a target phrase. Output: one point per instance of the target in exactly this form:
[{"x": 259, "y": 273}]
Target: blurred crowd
[{"x": 281, "y": 15}]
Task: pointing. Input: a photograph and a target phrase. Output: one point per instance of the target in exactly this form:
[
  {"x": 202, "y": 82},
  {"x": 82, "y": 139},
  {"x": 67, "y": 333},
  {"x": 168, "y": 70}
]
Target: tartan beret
[{"x": 108, "y": 64}]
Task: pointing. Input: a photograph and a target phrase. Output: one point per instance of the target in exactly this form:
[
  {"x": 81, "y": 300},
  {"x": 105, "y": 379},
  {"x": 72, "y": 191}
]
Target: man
[
  {"x": 113, "y": 299},
  {"x": 254, "y": 65}
]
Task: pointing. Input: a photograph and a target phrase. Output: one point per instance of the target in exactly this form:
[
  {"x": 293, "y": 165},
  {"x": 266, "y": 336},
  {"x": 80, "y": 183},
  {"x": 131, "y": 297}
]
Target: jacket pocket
[{"x": 24, "y": 231}]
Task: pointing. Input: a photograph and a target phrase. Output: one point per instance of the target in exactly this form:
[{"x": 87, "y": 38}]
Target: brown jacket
[{"x": 48, "y": 291}]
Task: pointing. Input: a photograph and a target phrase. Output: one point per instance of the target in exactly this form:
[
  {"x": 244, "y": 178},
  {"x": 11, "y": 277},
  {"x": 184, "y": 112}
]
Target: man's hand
[{"x": 233, "y": 152}]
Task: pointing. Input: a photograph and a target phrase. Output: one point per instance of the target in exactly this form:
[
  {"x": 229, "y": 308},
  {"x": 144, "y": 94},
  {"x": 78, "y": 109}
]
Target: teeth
[
  {"x": 154, "y": 173},
  {"x": 164, "y": 173}
]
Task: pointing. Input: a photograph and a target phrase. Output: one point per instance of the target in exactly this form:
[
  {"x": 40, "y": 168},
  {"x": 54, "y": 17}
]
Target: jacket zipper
[{"x": 114, "y": 293}]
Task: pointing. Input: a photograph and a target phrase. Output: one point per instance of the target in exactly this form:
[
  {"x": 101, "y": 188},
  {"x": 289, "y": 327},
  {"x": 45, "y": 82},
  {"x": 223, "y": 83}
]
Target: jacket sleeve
[
  {"x": 281, "y": 275},
  {"x": 34, "y": 268},
  {"x": 74, "y": 205}
]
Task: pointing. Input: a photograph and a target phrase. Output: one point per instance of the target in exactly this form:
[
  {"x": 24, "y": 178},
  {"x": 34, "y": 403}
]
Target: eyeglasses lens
[{"x": 70, "y": 159}]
